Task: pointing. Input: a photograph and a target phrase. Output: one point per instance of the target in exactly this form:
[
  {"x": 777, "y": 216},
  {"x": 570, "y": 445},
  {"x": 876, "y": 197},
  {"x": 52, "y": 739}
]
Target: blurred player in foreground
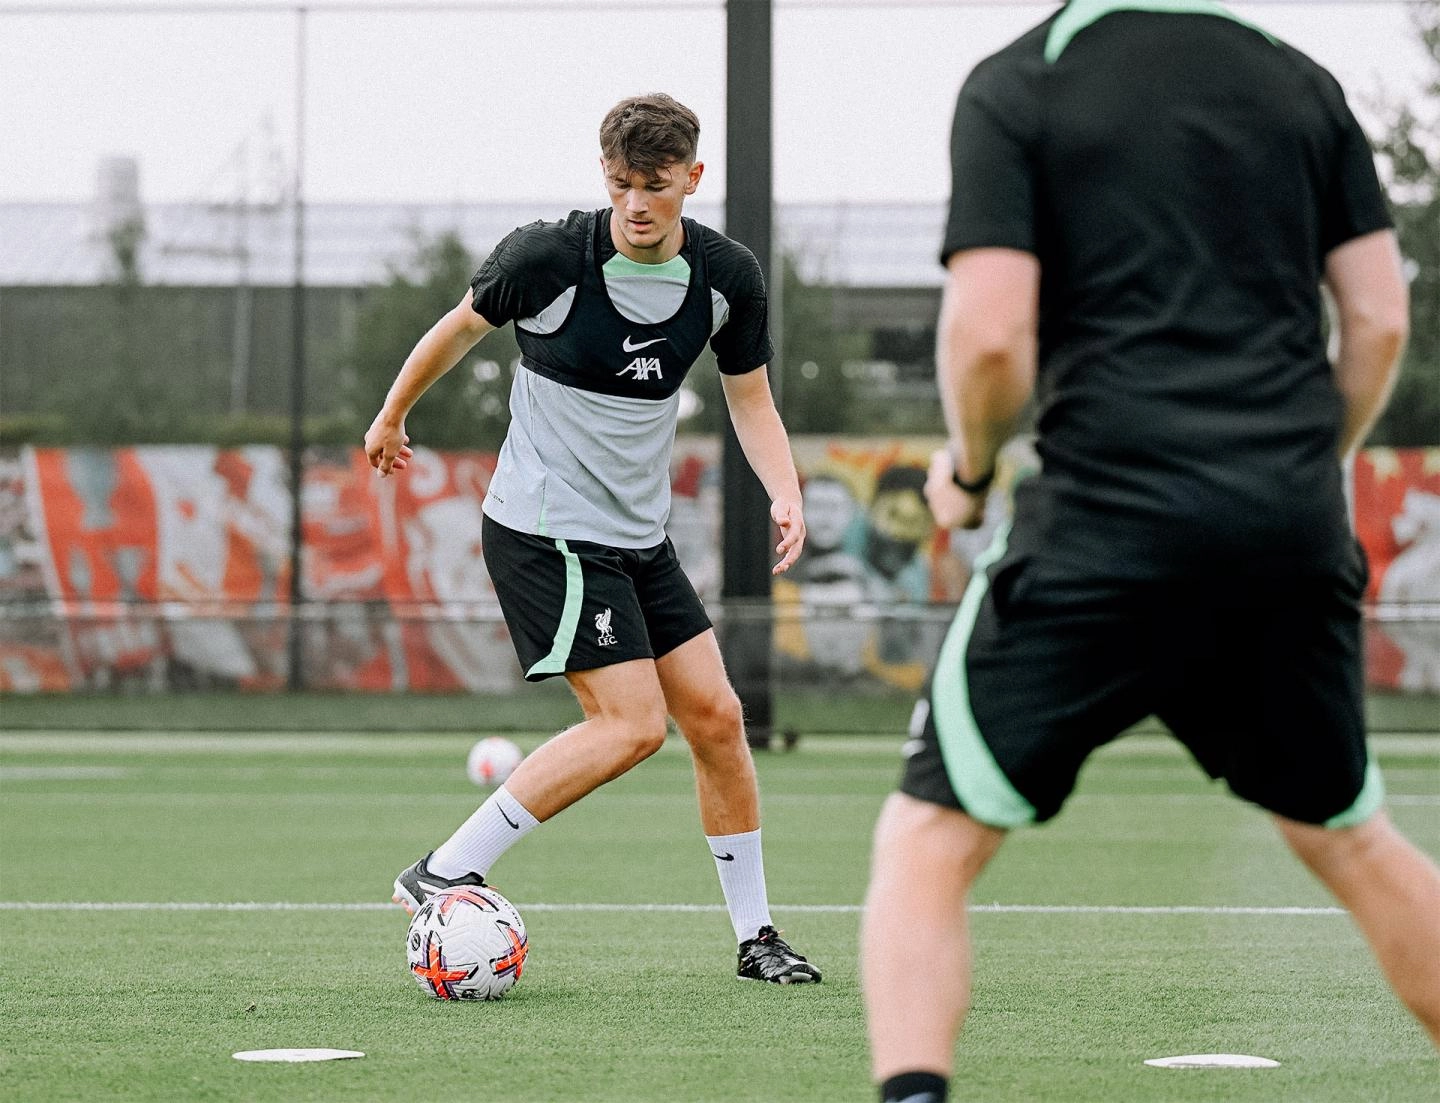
[
  {"x": 1145, "y": 202},
  {"x": 611, "y": 309}
]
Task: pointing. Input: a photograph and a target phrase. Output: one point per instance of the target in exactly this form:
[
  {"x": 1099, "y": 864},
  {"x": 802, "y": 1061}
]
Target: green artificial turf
[{"x": 622, "y": 1003}]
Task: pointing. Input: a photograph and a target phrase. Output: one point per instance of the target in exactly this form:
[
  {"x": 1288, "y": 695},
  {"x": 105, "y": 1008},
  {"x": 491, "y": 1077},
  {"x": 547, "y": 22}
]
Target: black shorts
[
  {"x": 1260, "y": 678},
  {"x": 574, "y": 605}
]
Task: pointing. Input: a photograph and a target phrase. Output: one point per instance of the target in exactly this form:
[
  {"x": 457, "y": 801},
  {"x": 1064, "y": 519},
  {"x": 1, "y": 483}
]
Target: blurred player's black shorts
[
  {"x": 1260, "y": 677},
  {"x": 576, "y": 605}
]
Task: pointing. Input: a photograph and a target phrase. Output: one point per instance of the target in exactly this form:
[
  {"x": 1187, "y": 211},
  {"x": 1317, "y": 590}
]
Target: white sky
[{"x": 503, "y": 103}]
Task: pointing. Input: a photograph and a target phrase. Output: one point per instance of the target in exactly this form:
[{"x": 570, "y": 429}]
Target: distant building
[
  {"x": 891, "y": 246},
  {"x": 224, "y": 270}
]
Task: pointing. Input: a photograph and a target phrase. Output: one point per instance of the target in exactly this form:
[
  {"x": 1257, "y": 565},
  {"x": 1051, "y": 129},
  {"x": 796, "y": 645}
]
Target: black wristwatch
[{"x": 979, "y": 486}]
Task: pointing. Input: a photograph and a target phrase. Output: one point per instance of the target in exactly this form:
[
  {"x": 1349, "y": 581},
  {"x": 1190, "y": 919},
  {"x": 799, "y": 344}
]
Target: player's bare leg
[
  {"x": 1393, "y": 892},
  {"x": 699, "y": 696},
  {"x": 915, "y": 936},
  {"x": 624, "y": 725}
]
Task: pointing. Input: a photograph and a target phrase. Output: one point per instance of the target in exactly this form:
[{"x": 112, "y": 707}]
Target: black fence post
[
  {"x": 295, "y": 636},
  {"x": 745, "y": 587}
]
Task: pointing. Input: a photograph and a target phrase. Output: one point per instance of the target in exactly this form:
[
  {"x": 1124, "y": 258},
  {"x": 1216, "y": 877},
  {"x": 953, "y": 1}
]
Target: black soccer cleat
[
  {"x": 417, "y": 884},
  {"x": 767, "y": 956}
]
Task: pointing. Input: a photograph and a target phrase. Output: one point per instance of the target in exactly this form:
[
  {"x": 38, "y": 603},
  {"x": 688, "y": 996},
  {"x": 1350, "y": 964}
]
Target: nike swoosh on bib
[{"x": 628, "y": 347}]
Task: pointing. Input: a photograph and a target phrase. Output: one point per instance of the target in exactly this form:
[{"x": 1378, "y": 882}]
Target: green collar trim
[
  {"x": 1079, "y": 14},
  {"x": 677, "y": 267}
]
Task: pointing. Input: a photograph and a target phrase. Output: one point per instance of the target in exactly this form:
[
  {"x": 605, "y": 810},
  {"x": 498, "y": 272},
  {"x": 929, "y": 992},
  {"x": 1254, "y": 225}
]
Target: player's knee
[
  {"x": 649, "y": 740},
  {"x": 716, "y": 719},
  {"x": 645, "y": 731}
]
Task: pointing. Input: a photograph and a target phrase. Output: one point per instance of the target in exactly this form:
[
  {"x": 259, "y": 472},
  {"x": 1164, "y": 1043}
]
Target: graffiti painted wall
[
  {"x": 169, "y": 567},
  {"x": 869, "y": 600},
  {"x": 1397, "y": 518}
]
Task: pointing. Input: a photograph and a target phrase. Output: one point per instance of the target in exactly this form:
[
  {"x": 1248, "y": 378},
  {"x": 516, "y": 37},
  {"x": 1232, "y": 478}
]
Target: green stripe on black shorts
[
  {"x": 575, "y": 605},
  {"x": 1260, "y": 677}
]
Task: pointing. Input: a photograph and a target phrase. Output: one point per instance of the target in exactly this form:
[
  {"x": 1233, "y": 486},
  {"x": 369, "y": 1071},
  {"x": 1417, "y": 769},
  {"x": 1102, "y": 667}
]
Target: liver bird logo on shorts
[{"x": 602, "y": 626}]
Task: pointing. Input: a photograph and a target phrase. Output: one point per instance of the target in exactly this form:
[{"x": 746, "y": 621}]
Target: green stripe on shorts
[
  {"x": 983, "y": 789},
  {"x": 554, "y": 663},
  {"x": 1372, "y": 795}
]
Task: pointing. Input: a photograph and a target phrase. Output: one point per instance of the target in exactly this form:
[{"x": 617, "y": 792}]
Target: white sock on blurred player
[
  {"x": 496, "y": 826},
  {"x": 742, "y": 880}
]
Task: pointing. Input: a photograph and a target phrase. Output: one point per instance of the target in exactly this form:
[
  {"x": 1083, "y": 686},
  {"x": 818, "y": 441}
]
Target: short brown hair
[{"x": 646, "y": 133}]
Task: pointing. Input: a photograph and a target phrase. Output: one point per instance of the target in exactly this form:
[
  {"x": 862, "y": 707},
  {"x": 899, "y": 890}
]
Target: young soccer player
[
  {"x": 611, "y": 309},
  {"x": 1146, "y": 198}
]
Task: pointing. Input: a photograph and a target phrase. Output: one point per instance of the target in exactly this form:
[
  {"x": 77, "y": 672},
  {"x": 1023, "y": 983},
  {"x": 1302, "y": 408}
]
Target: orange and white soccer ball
[
  {"x": 466, "y": 943},
  {"x": 492, "y": 760}
]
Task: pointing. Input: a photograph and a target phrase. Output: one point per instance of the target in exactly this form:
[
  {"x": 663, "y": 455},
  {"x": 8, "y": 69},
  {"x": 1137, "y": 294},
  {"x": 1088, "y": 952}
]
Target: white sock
[
  {"x": 742, "y": 880},
  {"x": 496, "y": 826}
]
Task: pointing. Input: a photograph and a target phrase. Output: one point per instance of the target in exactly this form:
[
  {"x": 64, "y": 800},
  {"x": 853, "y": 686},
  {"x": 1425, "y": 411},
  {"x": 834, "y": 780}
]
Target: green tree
[
  {"x": 815, "y": 393},
  {"x": 1409, "y": 153},
  {"x": 131, "y": 393},
  {"x": 468, "y": 408},
  {"x": 811, "y": 346}
]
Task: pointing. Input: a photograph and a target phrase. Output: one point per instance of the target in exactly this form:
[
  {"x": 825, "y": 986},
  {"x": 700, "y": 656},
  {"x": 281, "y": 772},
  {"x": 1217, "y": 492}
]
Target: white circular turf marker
[
  {"x": 1214, "y": 1061},
  {"x": 295, "y": 1055}
]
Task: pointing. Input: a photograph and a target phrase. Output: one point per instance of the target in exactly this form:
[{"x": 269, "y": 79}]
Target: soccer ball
[
  {"x": 466, "y": 943},
  {"x": 492, "y": 760}
]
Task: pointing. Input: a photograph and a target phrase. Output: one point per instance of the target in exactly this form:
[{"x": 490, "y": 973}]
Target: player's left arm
[
  {"x": 766, "y": 446},
  {"x": 985, "y": 366}
]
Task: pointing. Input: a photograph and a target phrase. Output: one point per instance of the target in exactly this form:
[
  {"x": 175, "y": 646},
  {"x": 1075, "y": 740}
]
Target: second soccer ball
[{"x": 492, "y": 760}]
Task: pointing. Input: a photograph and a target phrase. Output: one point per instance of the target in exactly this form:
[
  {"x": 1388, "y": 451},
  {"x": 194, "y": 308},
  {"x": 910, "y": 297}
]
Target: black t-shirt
[
  {"x": 1181, "y": 178},
  {"x": 535, "y": 264}
]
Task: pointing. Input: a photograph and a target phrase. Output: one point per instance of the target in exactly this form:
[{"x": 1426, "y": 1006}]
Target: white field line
[{"x": 842, "y": 909}]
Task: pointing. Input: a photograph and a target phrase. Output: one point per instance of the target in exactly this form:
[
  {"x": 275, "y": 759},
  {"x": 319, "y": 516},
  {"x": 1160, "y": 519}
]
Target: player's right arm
[
  {"x": 444, "y": 346},
  {"x": 1373, "y": 319},
  {"x": 985, "y": 360},
  {"x": 987, "y": 335}
]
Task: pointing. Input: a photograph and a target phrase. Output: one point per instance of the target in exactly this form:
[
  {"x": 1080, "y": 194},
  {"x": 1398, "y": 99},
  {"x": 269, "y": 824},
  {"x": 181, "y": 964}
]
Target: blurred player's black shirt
[{"x": 1181, "y": 178}]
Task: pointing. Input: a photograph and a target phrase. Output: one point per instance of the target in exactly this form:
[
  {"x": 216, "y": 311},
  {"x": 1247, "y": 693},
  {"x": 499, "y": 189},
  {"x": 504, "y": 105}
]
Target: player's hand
[
  {"x": 951, "y": 506},
  {"x": 387, "y": 446},
  {"x": 791, "y": 522}
]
